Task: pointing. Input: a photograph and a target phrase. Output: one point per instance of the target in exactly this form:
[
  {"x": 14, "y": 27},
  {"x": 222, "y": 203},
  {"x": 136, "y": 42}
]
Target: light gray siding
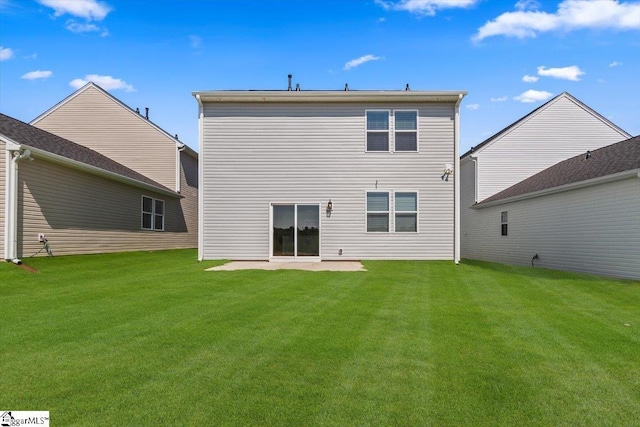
[
  {"x": 82, "y": 213},
  {"x": 96, "y": 120},
  {"x": 593, "y": 229},
  {"x": 3, "y": 176},
  {"x": 562, "y": 129},
  {"x": 257, "y": 154}
]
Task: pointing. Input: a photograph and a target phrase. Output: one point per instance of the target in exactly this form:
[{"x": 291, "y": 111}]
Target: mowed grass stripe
[{"x": 156, "y": 339}]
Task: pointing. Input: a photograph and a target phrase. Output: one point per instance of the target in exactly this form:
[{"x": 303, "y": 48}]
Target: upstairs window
[
  {"x": 378, "y": 130},
  {"x": 152, "y": 214},
  {"x": 504, "y": 223},
  {"x": 378, "y": 211},
  {"x": 406, "y": 212},
  {"x": 406, "y": 130}
]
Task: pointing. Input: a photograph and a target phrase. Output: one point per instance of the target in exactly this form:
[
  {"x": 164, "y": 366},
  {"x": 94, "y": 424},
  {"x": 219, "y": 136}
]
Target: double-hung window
[
  {"x": 152, "y": 214},
  {"x": 406, "y": 212},
  {"x": 378, "y": 211},
  {"x": 406, "y": 130},
  {"x": 378, "y": 130}
]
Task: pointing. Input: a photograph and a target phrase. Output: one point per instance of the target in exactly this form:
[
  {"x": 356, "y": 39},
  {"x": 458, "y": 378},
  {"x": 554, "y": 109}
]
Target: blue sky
[{"x": 511, "y": 56}]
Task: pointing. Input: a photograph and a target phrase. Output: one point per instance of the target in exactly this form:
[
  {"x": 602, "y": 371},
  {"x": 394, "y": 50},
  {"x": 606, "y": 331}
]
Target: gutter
[
  {"x": 456, "y": 181},
  {"x": 200, "y": 177},
  {"x": 631, "y": 173}
]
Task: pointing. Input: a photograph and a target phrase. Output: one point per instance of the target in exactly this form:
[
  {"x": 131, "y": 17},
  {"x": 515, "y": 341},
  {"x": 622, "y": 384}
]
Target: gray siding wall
[
  {"x": 189, "y": 189},
  {"x": 3, "y": 175},
  {"x": 561, "y": 130},
  {"x": 594, "y": 230},
  {"x": 95, "y": 120},
  {"x": 82, "y": 213},
  {"x": 255, "y": 154},
  {"x": 467, "y": 199}
]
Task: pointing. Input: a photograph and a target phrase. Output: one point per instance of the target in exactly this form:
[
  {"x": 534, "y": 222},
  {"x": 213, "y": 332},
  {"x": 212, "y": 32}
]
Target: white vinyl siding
[
  {"x": 594, "y": 229},
  {"x": 257, "y": 153}
]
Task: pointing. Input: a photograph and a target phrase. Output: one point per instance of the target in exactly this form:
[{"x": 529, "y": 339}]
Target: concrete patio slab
[{"x": 308, "y": 266}]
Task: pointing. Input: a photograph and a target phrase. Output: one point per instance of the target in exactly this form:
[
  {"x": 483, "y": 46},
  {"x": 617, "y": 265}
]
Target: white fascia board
[
  {"x": 562, "y": 188},
  {"x": 329, "y": 96},
  {"x": 55, "y": 158}
]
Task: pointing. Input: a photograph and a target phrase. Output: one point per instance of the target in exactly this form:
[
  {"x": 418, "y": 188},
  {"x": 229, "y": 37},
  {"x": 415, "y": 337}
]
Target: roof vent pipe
[
  {"x": 138, "y": 110},
  {"x": 289, "y": 88},
  {"x": 407, "y": 87},
  {"x": 146, "y": 113},
  {"x": 346, "y": 87},
  {"x": 588, "y": 155},
  {"x": 297, "y": 87}
]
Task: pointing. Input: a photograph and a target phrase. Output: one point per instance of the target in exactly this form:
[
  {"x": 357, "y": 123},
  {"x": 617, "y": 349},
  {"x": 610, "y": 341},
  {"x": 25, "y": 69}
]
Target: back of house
[{"x": 328, "y": 175}]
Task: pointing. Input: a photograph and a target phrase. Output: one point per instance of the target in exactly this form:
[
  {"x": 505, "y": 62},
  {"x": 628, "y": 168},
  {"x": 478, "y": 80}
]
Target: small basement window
[
  {"x": 504, "y": 223},
  {"x": 152, "y": 214}
]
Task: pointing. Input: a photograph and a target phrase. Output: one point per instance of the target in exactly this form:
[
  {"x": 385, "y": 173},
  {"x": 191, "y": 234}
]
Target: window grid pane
[
  {"x": 406, "y": 222},
  {"x": 406, "y": 120},
  {"x": 406, "y": 141},
  {"x": 377, "y": 141},
  {"x": 378, "y": 222},
  {"x": 377, "y": 120},
  {"x": 378, "y": 202},
  {"x": 406, "y": 202}
]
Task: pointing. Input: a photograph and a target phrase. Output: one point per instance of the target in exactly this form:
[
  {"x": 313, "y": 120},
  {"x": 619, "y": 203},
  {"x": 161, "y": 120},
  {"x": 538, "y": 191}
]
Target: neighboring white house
[
  {"x": 555, "y": 131},
  {"x": 582, "y": 214},
  {"x": 328, "y": 175}
]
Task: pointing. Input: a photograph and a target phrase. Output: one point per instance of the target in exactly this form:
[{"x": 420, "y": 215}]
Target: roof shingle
[
  {"x": 31, "y": 136},
  {"x": 609, "y": 160}
]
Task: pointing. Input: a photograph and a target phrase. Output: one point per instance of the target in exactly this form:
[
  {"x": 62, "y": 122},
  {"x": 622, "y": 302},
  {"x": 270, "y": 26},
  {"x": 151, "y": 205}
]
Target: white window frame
[
  {"x": 396, "y": 131},
  {"x": 416, "y": 212},
  {"x": 367, "y": 212},
  {"x": 389, "y": 131},
  {"x": 504, "y": 223},
  {"x": 153, "y": 213}
]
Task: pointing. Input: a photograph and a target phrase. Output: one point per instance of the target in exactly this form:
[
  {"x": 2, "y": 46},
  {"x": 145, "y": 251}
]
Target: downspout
[
  {"x": 12, "y": 209},
  {"x": 7, "y": 205},
  {"x": 200, "y": 179},
  {"x": 456, "y": 182},
  {"x": 179, "y": 149},
  {"x": 475, "y": 180}
]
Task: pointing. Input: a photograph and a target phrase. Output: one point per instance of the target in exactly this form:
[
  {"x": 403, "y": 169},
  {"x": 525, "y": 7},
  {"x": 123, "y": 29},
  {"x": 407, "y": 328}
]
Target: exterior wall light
[{"x": 329, "y": 206}]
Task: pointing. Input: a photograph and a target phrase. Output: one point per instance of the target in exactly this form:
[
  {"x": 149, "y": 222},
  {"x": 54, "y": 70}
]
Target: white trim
[
  {"x": 417, "y": 130},
  {"x": 456, "y": 182},
  {"x": 152, "y": 213},
  {"x": 328, "y": 96},
  {"x": 366, "y": 130},
  {"x": 562, "y": 188},
  {"x": 7, "y": 203},
  {"x": 200, "y": 179}
]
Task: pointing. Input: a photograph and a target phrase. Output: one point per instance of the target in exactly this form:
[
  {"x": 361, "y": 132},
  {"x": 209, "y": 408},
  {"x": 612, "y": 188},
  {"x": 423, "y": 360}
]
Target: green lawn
[{"x": 153, "y": 339}]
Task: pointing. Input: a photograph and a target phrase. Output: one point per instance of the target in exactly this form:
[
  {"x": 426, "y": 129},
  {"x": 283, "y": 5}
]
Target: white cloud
[
  {"x": 530, "y": 79},
  {"x": 571, "y": 15},
  {"x": 5, "y": 53},
  {"x": 32, "y": 56},
  {"x": 473, "y": 106},
  {"x": 195, "y": 41},
  {"x": 91, "y": 10},
  {"x": 35, "y": 75},
  {"x": 424, "y": 7},
  {"x": 76, "y": 27},
  {"x": 572, "y": 73},
  {"x": 499, "y": 99},
  {"x": 615, "y": 64},
  {"x": 533, "y": 96},
  {"x": 106, "y": 82},
  {"x": 359, "y": 61},
  {"x": 527, "y": 5}
]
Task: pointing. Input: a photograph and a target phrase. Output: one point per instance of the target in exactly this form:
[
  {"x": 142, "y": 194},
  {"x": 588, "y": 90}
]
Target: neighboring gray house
[
  {"x": 328, "y": 175},
  {"x": 94, "y": 118},
  {"x": 555, "y": 131},
  {"x": 80, "y": 200},
  {"x": 582, "y": 214}
]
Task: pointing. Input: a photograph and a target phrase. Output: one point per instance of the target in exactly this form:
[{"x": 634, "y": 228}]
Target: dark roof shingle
[
  {"x": 31, "y": 136},
  {"x": 612, "y": 159}
]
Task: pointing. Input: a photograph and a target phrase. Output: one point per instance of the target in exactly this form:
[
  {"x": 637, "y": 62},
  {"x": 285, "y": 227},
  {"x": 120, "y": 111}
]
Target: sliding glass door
[{"x": 295, "y": 230}]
